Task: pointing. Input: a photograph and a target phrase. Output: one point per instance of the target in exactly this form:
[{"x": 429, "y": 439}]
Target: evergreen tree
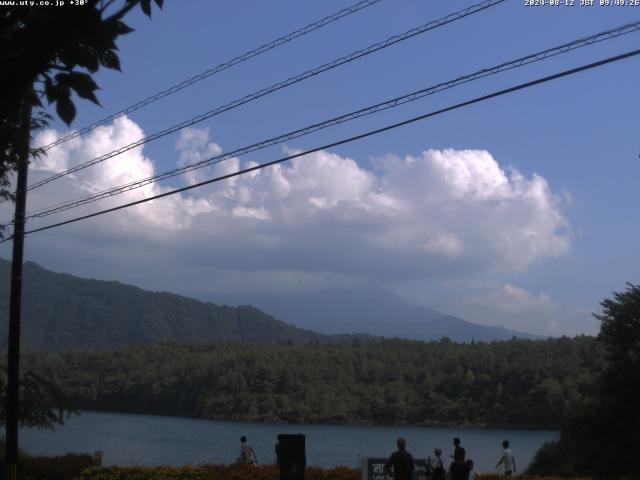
[{"x": 602, "y": 437}]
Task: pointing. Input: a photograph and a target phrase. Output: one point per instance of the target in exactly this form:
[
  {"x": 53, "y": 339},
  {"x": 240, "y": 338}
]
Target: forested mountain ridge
[
  {"x": 61, "y": 311},
  {"x": 520, "y": 383}
]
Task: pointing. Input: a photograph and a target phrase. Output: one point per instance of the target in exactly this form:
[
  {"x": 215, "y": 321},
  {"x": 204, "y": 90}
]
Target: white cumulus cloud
[{"x": 441, "y": 213}]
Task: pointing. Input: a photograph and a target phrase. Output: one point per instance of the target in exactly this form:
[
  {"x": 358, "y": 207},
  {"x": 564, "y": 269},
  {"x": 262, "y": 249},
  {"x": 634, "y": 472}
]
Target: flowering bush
[
  {"x": 214, "y": 472},
  {"x": 494, "y": 476},
  {"x": 246, "y": 472}
]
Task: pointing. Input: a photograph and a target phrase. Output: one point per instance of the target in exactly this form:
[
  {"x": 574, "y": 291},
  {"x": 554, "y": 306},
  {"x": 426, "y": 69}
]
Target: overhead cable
[
  {"x": 499, "y": 93},
  {"x": 219, "y": 68},
  {"x": 394, "y": 102},
  {"x": 280, "y": 85}
]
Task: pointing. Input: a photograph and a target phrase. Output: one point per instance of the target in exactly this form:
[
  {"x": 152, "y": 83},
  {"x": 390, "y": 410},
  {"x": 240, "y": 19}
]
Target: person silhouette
[
  {"x": 401, "y": 461},
  {"x": 247, "y": 454},
  {"x": 507, "y": 460}
]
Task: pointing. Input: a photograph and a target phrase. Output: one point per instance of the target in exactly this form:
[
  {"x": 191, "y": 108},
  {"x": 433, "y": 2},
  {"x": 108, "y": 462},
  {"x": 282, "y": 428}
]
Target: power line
[
  {"x": 526, "y": 60},
  {"x": 219, "y": 68},
  {"x": 280, "y": 85},
  {"x": 521, "y": 86}
]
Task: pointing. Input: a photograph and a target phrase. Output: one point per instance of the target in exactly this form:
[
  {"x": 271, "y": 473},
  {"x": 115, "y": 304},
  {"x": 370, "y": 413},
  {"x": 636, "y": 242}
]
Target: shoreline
[{"x": 434, "y": 425}]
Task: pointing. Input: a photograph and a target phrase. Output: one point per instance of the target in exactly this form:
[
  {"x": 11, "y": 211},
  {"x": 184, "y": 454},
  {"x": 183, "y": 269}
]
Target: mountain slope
[
  {"x": 61, "y": 311},
  {"x": 374, "y": 311}
]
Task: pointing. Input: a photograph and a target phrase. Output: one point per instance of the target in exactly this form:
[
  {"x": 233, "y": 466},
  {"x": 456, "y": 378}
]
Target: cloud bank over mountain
[{"x": 436, "y": 214}]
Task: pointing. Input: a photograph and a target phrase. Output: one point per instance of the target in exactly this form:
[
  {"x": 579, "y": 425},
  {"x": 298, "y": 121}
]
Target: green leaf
[
  {"x": 66, "y": 110},
  {"x": 82, "y": 55},
  {"x": 109, "y": 59},
  {"x": 146, "y": 7},
  {"x": 104, "y": 38},
  {"x": 82, "y": 83},
  {"x": 67, "y": 57},
  {"x": 33, "y": 98},
  {"x": 39, "y": 119},
  {"x": 88, "y": 95},
  {"x": 50, "y": 91},
  {"x": 122, "y": 28},
  {"x": 56, "y": 91},
  {"x": 91, "y": 64},
  {"x": 159, "y": 3}
]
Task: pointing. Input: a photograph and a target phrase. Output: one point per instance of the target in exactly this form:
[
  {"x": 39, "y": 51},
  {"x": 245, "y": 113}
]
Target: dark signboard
[{"x": 373, "y": 469}]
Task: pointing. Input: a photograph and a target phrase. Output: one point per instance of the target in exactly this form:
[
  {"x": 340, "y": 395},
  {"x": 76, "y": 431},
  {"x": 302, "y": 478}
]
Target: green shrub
[{"x": 66, "y": 467}]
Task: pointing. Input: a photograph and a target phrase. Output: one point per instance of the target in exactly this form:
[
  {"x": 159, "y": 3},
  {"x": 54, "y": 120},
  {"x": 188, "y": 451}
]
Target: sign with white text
[{"x": 373, "y": 469}]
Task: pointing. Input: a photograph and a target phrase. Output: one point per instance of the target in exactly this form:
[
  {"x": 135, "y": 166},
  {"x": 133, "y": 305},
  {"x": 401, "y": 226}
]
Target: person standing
[
  {"x": 401, "y": 461},
  {"x": 459, "y": 470},
  {"x": 459, "y": 453},
  {"x": 507, "y": 460},
  {"x": 437, "y": 465},
  {"x": 247, "y": 454}
]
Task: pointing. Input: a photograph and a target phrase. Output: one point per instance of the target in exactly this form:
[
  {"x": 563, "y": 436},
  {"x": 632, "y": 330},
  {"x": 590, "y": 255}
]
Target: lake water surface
[{"x": 128, "y": 439}]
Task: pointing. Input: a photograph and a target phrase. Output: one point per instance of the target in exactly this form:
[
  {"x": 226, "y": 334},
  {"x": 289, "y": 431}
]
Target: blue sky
[{"x": 518, "y": 211}]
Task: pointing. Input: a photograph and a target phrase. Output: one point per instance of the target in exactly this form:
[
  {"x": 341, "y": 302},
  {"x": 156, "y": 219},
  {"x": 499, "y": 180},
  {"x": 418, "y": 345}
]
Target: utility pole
[{"x": 13, "y": 384}]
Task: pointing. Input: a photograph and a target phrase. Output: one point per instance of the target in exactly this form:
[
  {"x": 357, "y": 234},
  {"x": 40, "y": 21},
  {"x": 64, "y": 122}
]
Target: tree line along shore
[{"x": 519, "y": 383}]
